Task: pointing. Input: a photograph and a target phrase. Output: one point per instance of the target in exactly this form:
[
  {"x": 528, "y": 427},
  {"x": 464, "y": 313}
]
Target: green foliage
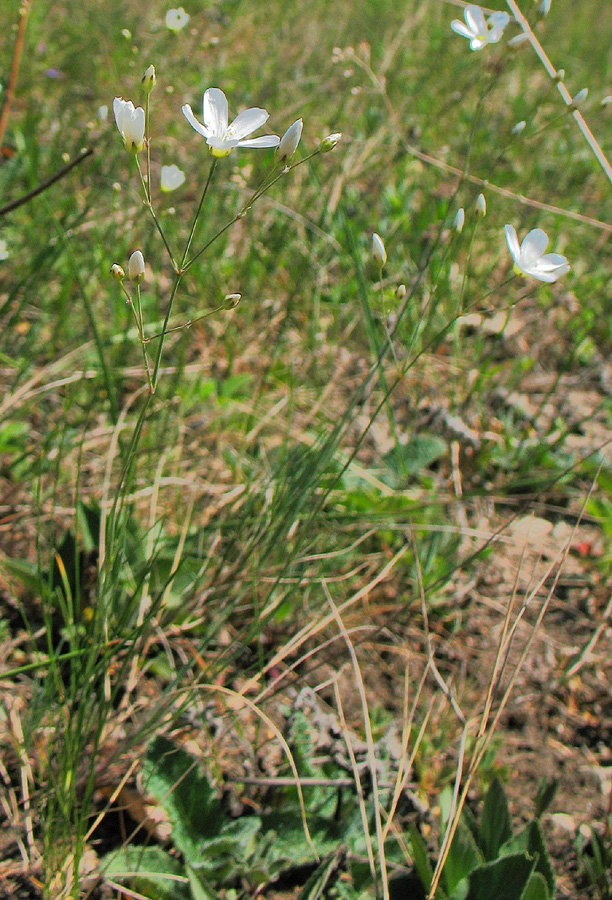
[
  {"x": 486, "y": 860},
  {"x": 595, "y": 857}
]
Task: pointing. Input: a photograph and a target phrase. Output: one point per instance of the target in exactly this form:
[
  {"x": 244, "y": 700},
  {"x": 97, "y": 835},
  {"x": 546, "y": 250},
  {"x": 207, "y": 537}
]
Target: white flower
[
  {"x": 477, "y": 29},
  {"x": 103, "y": 112},
  {"x": 530, "y": 259},
  {"x": 131, "y": 123},
  {"x": 290, "y": 140},
  {"x": 544, "y": 7},
  {"x": 519, "y": 127},
  {"x": 221, "y": 137},
  {"x": 176, "y": 19},
  {"x": 171, "y": 178},
  {"x": 497, "y": 21},
  {"x": 379, "y": 254},
  {"x": 481, "y": 206},
  {"x": 459, "y": 220},
  {"x": 136, "y": 267}
]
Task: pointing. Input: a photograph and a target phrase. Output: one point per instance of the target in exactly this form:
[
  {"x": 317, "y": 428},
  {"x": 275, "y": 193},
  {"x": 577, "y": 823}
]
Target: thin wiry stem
[
  {"x": 552, "y": 72},
  {"x": 10, "y": 91}
]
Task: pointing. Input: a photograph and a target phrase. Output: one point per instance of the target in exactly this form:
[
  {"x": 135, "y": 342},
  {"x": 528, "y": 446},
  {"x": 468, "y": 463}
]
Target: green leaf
[
  {"x": 495, "y": 824},
  {"x": 172, "y": 778},
  {"x": 536, "y": 889},
  {"x": 420, "y": 452},
  {"x": 463, "y": 857},
  {"x": 420, "y": 857},
  {"x": 151, "y": 872},
  {"x": 324, "y": 876},
  {"x": 531, "y": 840},
  {"x": 199, "y": 889},
  {"x": 545, "y": 796},
  {"x": 504, "y": 879}
]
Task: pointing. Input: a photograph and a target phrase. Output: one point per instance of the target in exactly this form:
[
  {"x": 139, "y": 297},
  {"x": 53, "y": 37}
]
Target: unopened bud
[
  {"x": 579, "y": 98},
  {"x": 400, "y": 291},
  {"x": 136, "y": 267},
  {"x": 459, "y": 220},
  {"x": 519, "y": 127},
  {"x": 518, "y": 39},
  {"x": 559, "y": 75},
  {"x": 481, "y": 206},
  {"x": 149, "y": 79},
  {"x": 607, "y": 100},
  {"x": 289, "y": 141},
  {"x": 117, "y": 272},
  {"x": 231, "y": 301},
  {"x": 330, "y": 142},
  {"x": 379, "y": 254},
  {"x": 544, "y": 7}
]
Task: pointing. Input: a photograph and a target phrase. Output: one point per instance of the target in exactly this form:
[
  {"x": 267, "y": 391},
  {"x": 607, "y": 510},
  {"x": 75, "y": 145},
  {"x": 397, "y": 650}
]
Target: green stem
[{"x": 149, "y": 206}]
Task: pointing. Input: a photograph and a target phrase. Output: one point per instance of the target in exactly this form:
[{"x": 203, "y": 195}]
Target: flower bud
[
  {"x": 379, "y": 254},
  {"x": 131, "y": 124},
  {"x": 481, "y": 206},
  {"x": 148, "y": 79},
  {"x": 607, "y": 100},
  {"x": 579, "y": 98},
  {"x": 289, "y": 141},
  {"x": 231, "y": 301},
  {"x": 544, "y": 7},
  {"x": 559, "y": 75},
  {"x": 459, "y": 220},
  {"x": 171, "y": 178},
  {"x": 330, "y": 142},
  {"x": 400, "y": 291},
  {"x": 519, "y": 127},
  {"x": 518, "y": 39},
  {"x": 117, "y": 272},
  {"x": 136, "y": 267}
]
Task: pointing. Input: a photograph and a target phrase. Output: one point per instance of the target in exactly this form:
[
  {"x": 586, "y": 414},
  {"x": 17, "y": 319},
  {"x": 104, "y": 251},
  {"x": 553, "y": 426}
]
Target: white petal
[
  {"x": 118, "y": 107},
  {"x": 215, "y": 111},
  {"x": 247, "y": 122},
  {"x": 555, "y": 261},
  {"x": 474, "y": 16},
  {"x": 458, "y": 26},
  {"x": 188, "y": 113},
  {"x": 266, "y": 140},
  {"x": 221, "y": 143},
  {"x": 513, "y": 242},
  {"x": 533, "y": 246}
]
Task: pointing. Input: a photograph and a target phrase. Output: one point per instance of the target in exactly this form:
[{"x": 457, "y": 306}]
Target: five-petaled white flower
[
  {"x": 221, "y": 137},
  {"x": 131, "y": 123},
  {"x": 171, "y": 178},
  {"x": 176, "y": 19},
  {"x": 530, "y": 258},
  {"x": 477, "y": 29}
]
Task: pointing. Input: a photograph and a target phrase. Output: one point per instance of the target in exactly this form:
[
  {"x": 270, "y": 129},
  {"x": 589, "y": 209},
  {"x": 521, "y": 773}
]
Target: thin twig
[{"x": 14, "y": 204}]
